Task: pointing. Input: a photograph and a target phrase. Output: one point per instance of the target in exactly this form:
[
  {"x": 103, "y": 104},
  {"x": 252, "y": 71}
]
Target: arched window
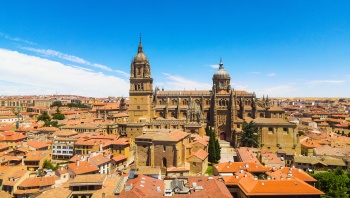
[
  {"x": 197, "y": 101},
  {"x": 164, "y": 162}
]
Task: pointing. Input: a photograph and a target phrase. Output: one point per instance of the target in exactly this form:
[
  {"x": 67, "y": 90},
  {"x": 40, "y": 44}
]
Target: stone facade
[
  {"x": 222, "y": 107},
  {"x": 161, "y": 149}
]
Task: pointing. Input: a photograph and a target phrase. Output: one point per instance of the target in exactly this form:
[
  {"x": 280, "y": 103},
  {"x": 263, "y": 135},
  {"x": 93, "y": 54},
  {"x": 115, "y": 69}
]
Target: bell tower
[{"x": 141, "y": 88}]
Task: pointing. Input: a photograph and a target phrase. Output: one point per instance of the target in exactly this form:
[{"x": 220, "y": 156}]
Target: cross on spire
[
  {"x": 221, "y": 64},
  {"x": 140, "y": 50}
]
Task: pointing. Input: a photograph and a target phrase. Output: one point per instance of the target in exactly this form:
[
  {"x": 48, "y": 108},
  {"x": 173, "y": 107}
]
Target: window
[
  {"x": 164, "y": 162},
  {"x": 270, "y": 130},
  {"x": 138, "y": 107}
]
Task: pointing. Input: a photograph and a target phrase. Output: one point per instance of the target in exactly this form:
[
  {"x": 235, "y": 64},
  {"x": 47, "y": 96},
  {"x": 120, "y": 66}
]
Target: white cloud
[
  {"x": 316, "y": 82},
  {"x": 26, "y": 74},
  {"x": 239, "y": 86},
  {"x": 271, "y": 74},
  {"x": 16, "y": 39},
  {"x": 180, "y": 83},
  {"x": 276, "y": 91},
  {"x": 82, "y": 68},
  {"x": 72, "y": 58},
  {"x": 214, "y": 66}
]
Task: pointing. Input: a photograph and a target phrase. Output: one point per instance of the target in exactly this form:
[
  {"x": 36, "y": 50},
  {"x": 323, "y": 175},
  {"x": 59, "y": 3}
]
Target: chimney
[
  {"x": 104, "y": 194},
  {"x": 77, "y": 162}
]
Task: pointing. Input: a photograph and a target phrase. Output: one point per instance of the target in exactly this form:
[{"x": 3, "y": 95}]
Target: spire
[
  {"x": 221, "y": 65},
  {"x": 140, "y": 50}
]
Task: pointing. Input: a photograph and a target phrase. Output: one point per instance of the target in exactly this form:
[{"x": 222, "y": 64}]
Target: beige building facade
[{"x": 222, "y": 107}]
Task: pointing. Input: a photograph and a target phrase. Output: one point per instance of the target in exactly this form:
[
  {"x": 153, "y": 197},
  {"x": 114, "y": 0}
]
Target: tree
[
  {"x": 78, "y": 105},
  {"x": 338, "y": 171},
  {"x": 217, "y": 150},
  {"x": 51, "y": 124},
  {"x": 44, "y": 117},
  {"x": 300, "y": 133},
  {"x": 48, "y": 165},
  {"x": 333, "y": 184},
  {"x": 58, "y": 115},
  {"x": 249, "y": 136},
  {"x": 214, "y": 148},
  {"x": 56, "y": 104},
  {"x": 212, "y": 152}
]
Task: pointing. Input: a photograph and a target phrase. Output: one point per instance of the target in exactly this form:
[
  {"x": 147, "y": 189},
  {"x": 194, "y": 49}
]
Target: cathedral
[{"x": 223, "y": 108}]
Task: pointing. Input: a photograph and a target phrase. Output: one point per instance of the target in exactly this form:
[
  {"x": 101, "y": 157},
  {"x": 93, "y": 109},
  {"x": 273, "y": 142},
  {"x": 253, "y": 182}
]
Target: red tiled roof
[
  {"x": 119, "y": 158},
  {"x": 37, "y": 182},
  {"x": 233, "y": 167},
  {"x": 83, "y": 168},
  {"x": 201, "y": 154},
  {"x": 99, "y": 160},
  {"x": 178, "y": 135},
  {"x": 252, "y": 187},
  {"x": 37, "y": 144},
  {"x": 56, "y": 192},
  {"x": 293, "y": 172}
]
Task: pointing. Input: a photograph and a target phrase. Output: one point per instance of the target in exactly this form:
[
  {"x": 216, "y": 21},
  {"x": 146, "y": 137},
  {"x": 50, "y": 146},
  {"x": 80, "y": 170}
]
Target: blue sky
[{"x": 279, "y": 48}]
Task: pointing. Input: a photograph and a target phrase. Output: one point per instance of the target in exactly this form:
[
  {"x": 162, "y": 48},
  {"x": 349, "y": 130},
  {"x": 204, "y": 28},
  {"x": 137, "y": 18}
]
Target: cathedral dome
[
  {"x": 221, "y": 72},
  {"x": 140, "y": 56}
]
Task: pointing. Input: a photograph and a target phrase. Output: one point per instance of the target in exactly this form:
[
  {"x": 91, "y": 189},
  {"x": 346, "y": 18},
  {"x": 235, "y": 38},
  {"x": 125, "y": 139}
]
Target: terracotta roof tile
[
  {"x": 276, "y": 187},
  {"x": 119, "y": 158},
  {"x": 37, "y": 182},
  {"x": 89, "y": 178},
  {"x": 56, "y": 192},
  {"x": 99, "y": 160},
  {"x": 201, "y": 154},
  {"x": 83, "y": 168}
]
